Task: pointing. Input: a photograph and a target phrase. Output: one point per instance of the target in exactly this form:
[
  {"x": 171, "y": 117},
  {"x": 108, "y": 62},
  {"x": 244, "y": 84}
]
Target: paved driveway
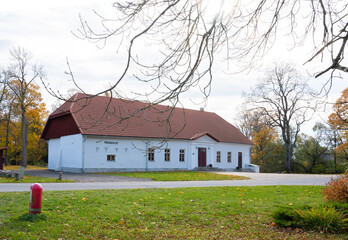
[{"x": 256, "y": 179}]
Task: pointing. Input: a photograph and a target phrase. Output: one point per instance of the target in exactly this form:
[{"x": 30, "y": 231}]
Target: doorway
[
  {"x": 240, "y": 159},
  {"x": 202, "y": 157}
]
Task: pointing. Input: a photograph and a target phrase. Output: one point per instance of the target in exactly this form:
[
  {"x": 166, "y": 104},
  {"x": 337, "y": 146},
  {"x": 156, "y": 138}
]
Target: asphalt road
[{"x": 256, "y": 179}]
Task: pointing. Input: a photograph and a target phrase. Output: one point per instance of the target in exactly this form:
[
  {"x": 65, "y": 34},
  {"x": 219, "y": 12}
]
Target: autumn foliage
[
  {"x": 267, "y": 150},
  {"x": 339, "y": 122},
  {"x": 337, "y": 189},
  {"x": 10, "y": 125}
]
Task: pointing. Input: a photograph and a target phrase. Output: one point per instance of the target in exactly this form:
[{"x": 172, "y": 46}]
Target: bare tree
[
  {"x": 250, "y": 122},
  {"x": 286, "y": 100},
  {"x": 171, "y": 45},
  {"x": 3, "y": 84},
  {"x": 184, "y": 37},
  {"x": 22, "y": 74}
]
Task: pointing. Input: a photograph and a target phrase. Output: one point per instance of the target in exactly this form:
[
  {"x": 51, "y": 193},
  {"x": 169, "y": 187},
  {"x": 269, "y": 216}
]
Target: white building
[{"x": 100, "y": 134}]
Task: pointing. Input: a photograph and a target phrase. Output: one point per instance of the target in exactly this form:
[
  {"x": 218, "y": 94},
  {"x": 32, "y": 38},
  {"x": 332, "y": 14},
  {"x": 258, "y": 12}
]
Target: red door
[
  {"x": 202, "y": 157},
  {"x": 240, "y": 160}
]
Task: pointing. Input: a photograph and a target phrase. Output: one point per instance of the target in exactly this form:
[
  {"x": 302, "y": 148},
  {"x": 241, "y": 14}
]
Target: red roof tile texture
[{"x": 104, "y": 116}]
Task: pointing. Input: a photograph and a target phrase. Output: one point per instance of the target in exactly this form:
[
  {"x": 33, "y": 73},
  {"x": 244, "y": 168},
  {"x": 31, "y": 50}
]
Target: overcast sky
[{"x": 45, "y": 29}]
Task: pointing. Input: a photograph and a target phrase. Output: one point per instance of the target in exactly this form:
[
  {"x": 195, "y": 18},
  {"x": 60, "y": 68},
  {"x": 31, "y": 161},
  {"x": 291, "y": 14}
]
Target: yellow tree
[
  {"x": 267, "y": 151},
  {"x": 36, "y": 115},
  {"x": 22, "y": 75},
  {"x": 338, "y": 121}
]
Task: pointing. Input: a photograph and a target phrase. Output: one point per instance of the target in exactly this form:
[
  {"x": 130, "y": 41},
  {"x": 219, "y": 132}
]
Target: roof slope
[{"x": 104, "y": 116}]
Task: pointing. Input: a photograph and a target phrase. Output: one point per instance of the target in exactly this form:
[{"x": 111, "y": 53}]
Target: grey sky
[{"x": 44, "y": 28}]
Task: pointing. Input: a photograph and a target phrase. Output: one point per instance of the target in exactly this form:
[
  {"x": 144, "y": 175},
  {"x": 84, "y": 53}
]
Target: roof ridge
[{"x": 144, "y": 102}]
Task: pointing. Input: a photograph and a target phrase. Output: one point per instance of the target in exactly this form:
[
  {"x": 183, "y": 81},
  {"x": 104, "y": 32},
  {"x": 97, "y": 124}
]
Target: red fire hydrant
[{"x": 35, "y": 199}]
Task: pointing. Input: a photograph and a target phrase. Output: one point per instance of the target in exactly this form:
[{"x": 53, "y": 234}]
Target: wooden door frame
[
  {"x": 202, "y": 163},
  {"x": 240, "y": 160}
]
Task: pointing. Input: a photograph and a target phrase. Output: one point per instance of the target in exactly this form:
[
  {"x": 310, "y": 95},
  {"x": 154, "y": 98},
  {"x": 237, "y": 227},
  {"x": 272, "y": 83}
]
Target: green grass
[
  {"x": 16, "y": 167},
  {"x": 185, "y": 213},
  {"x": 32, "y": 179},
  {"x": 179, "y": 176}
]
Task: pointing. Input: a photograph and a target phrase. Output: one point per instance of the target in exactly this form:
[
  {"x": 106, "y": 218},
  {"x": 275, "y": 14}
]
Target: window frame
[
  {"x": 229, "y": 157},
  {"x": 182, "y": 155},
  {"x": 167, "y": 154},
  {"x": 111, "y": 157},
  {"x": 151, "y": 154},
  {"x": 218, "y": 156}
]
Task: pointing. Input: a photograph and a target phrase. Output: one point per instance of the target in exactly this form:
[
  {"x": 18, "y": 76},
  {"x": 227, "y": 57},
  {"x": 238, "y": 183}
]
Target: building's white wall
[
  {"x": 126, "y": 152},
  {"x": 174, "y": 163},
  {"x": 212, "y": 147},
  {"x": 54, "y": 154},
  {"x": 132, "y": 154},
  {"x": 77, "y": 153},
  {"x": 71, "y": 151},
  {"x": 224, "y": 148}
]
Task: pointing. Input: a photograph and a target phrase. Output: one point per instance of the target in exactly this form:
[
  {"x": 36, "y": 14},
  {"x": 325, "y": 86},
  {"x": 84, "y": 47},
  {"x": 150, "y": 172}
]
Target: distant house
[{"x": 98, "y": 135}]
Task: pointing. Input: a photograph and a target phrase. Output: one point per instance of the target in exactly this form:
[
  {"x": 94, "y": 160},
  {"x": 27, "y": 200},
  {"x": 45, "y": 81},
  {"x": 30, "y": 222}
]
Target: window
[
  {"x": 151, "y": 154},
  {"x": 167, "y": 154},
  {"x": 218, "y": 156},
  {"x": 110, "y": 157},
  {"x": 229, "y": 157},
  {"x": 182, "y": 155}
]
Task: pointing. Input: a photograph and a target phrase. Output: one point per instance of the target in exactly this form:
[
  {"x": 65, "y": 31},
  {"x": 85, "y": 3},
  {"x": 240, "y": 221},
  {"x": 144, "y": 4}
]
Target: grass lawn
[
  {"x": 196, "y": 213},
  {"x": 32, "y": 179},
  {"x": 179, "y": 176},
  {"x": 16, "y": 167},
  {"x": 29, "y": 179}
]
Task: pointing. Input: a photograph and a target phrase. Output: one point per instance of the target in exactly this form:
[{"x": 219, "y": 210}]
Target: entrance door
[
  {"x": 240, "y": 160},
  {"x": 202, "y": 157}
]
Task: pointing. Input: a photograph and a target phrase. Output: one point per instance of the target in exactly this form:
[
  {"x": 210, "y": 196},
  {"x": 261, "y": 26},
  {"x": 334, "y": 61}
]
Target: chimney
[{"x": 201, "y": 109}]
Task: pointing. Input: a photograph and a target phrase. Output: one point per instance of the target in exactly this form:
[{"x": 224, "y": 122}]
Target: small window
[
  {"x": 182, "y": 155},
  {"x": 151, "y": 154},
  {"x": 218, "y": 156},
  {"x": 167, "y": 154},
  {"x": 110, "y": 157},
  {"x": 229, "y": 157}
]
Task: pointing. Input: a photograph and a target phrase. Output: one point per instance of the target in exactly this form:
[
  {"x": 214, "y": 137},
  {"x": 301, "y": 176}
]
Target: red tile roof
[{"x": 103, "y": 116}]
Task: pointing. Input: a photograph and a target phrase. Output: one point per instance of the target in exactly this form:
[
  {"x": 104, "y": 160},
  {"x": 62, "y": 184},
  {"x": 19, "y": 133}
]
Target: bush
[
  {"x": 337, "y": 189},
  {"x": 318, "y": 218},
  {"x": 326, "y": 219},
  {"x": 285, "y": 217}
]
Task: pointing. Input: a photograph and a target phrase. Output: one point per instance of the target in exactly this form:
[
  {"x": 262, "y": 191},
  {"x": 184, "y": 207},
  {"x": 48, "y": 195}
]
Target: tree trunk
[
  {"x": 287, "y": 157},
  {"x": 8, "y": 119},
  {"x": 24, "y": 139},
  {"x": 311, "y": 165}
]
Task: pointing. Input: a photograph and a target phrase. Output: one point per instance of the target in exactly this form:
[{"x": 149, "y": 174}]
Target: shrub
[
  {"x": 337, "y": 189},
  {"x": 322, "y": 218},
  {"x": 318, "y": 218},
  {"x": 285, "y": 217}
]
